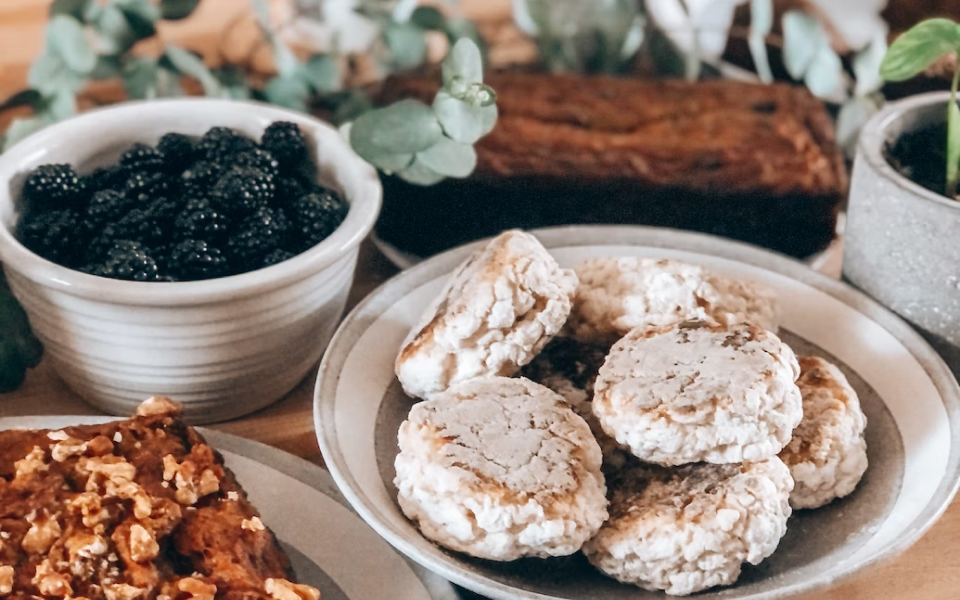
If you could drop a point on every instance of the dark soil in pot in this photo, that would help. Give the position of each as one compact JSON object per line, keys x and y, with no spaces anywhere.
{"x":921,"y":156}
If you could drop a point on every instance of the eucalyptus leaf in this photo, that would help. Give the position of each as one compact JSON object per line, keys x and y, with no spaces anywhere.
{"x":802,"y":38}
{"x":406,"y":43}
{"x":449,"y":158}
{"x":19,"y":129}
{"x":190,"y":64}
{"x":78,"y":9}
{"x":140,"y":77}
{"x":168,"y":81}
{"x":107,"y":67}
{"x":67,"y":39}
{"x":232,"y":82}
{"x":289,"y":92}
{"x":462,"y":65}
{"x":824,"y":76}
{"x":29,"y":97}
{"x":917,"y":48}
{"x":142,"y":16}
{"x":761,"y":22}
{"x":428,"y":17}
{"x":351,"y":105}
{"x":174,"y":10}
{"x":59,"y":106}
{"x":322,"y":73}
{"x":456,"y":28}
{"x":420,"y":174}
{"x":390,"y":163}
{"x":461,"y":121}
{"x":116,"y":34}
{"x":853,"y":115}
{"x":284,"y":60}
{"x":405,"y":127}
{"x":866,"y":66}
{"x":49,"y":74}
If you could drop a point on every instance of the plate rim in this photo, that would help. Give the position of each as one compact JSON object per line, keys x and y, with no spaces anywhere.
{"x":358,"y":321}
{"x":295,"y":467}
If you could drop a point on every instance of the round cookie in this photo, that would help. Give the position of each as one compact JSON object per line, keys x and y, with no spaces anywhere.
{"x":500,"y":469}
{"x":699,"y":392}
{"x":618,"y":294}
{"x":569,"y":367}
{"x":497,"y":310}
{"x":828,"y":453}
{"x":690,"y":528}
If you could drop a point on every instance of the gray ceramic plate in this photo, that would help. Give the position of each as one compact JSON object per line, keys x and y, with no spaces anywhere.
{"x":328,"y":545}
{"x":911,"y":401}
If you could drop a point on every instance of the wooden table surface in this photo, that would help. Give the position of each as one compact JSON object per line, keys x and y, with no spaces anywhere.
{"x":930,"y":570}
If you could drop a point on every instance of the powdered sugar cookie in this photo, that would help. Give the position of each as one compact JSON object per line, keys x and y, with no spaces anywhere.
{"x":498,"y":310}
{"x":699,"y":392}
{"x":500,"y":469}
{"x":828,"y":454}
{"x":686,"y":529}
{"x":569,"y":367}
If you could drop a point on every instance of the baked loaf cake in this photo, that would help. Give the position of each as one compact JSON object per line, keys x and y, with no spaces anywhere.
{"x":758,"y":163}
{"x":141,"y":509}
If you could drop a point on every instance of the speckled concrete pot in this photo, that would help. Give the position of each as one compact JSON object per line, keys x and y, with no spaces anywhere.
{"x":902,"y":242}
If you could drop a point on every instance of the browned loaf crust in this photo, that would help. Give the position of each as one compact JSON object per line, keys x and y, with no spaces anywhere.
{"x":753,"y":162}
{"x":74,"y":524}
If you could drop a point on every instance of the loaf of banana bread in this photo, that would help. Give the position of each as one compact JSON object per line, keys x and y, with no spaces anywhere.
{"x":758,"y":163}
{"x":141,"y":509}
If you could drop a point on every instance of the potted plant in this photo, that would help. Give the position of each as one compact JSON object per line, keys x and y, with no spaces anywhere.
{"x":904,"y":214}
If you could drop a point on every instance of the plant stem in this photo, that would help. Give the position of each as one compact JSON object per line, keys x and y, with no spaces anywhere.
{"x":953,"y":137}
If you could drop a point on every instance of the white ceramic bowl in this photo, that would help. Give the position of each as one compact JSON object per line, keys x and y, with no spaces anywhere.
{"x":223,"y":347}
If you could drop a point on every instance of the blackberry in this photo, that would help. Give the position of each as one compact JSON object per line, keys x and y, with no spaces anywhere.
{"x":315,"y":216}
{"x":286,"y":142}
{"x":192,"y":259}
{"x":291,"y":188}
{"x":143,"y":158}
{"x":138,"y":225}
{"x":243,"y":190}
{"x":200,"y":220}
{"x":258,"y":235}
{"x":177,"y":150}
{"x":259,"y":159}
{"x":197,"y":180}
{"x":108,"y":178}
{"x":277,"y":256}
{"x":53,"y":234}
{"x":127,"y":260}
{"x":144,"y":187}
{"x":220,"y":143}
{"x":106,"y":206}
{"x":53,"y":186}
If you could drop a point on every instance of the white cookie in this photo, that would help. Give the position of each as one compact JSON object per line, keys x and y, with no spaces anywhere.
{"x":498,"y":310}
{"x":500,"y":469}
{"x":699,"y":392}
{"x":686,"y":529}
{"x":569,"y":367}
{"x":618,"y":294}
{"x":828,"y":453}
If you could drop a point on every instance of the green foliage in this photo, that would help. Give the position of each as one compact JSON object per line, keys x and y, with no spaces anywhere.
{"x":174,"y":10}
{"x":912,"y":53}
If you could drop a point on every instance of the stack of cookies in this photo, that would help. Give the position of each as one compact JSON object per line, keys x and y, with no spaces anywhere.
{"x":641,"y":411}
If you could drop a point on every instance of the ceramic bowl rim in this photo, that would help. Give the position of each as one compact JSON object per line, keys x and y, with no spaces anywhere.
{"x":364,"y":209}
{"x":358,"y":319}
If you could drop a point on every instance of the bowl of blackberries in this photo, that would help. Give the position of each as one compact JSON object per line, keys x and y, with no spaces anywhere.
{"x":199,"y":249}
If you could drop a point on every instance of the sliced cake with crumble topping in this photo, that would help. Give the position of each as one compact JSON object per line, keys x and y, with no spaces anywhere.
{"x":141,"y":509}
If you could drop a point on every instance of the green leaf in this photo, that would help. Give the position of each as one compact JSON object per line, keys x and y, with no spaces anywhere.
{"x":866,"y":66}
{"x":140,"y":78}
{"x":174,"y":10}
{"x":824,"y":76}
{"x":289,"y":92}
{"x":918,"y":47}
{"x":802,"y":37}
{"x":405,"y":127}
{"x":420,"y":174}
{"x":390,"y":163}
{"x":406,"y":43}
{"x":49,"y":74}
{"x":107,"y":67}
{"x":761,"y":22}
{"x":190,"y":64}
{"x":116,"y":34}
{"x":67,"y":39}
{"x":29,"y":97}
{"x":21,"y":128}
{"x":462,"y":66}
{"x":78,"y":9}
{"x":429,"y":18}
{"x":461,"y":121}
{"x":322,"y":73}
{"x":953,"y":139}
{"x":449,"y":158}
{"x":142,"y":15}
